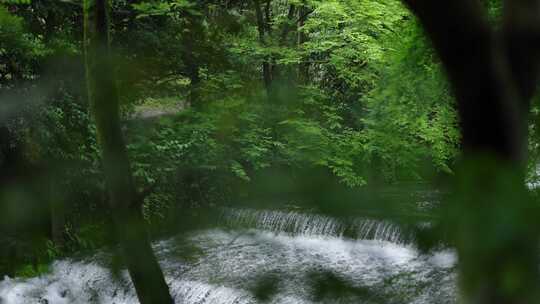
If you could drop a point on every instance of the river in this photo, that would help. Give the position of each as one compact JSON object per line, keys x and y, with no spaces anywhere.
{"x":291,"y":254}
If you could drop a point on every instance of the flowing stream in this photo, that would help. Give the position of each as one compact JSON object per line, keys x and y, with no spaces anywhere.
{"x":290,"y":256}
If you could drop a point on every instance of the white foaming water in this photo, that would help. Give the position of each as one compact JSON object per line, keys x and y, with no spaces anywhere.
{"x":70,"y":282}
{"x":280,"y":221}
{"x":298,"y":223}
{"x":223,"y":267}
{"x":378,"y":230}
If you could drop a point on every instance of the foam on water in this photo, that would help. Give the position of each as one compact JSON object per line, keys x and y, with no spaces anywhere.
{"x":229,"y":263}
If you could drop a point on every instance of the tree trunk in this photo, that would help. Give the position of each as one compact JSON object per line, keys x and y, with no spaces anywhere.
{"x":192,"y":72}
{"x":58,"y":212}
{"x":141,"y":263}
{"x":190,"y":57}
{"x":280,"y":74}
{"x":303,"y":66}
{"x":287,"y":26}
{"x":261,"y":27}
{"x":492,"y":220}
{"x":268,"y":17}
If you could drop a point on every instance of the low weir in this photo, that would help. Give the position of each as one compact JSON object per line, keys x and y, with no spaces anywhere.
{"x":290,"y":249}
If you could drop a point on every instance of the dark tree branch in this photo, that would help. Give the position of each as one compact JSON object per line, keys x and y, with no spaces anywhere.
{"x":521,"y":34}
{"x":303,"y":17}
{"x":493,"y":76}
{"x":478,"y":71}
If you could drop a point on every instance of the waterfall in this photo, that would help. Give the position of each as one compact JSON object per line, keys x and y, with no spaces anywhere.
{"x":309,"y":224}
{"x":368,"y":229}
{"x":225,"y":266}
{"x":280,"y":221}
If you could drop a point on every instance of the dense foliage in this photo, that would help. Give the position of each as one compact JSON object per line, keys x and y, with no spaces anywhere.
{"x":216,"y":95}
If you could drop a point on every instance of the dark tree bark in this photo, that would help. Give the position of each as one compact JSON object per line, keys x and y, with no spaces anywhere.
{"x":303,"y":66}
{"x":521,"y":33}
{"x":493,"y":75}
{"x":130,"y":231}
{"x":479,"y":75}
{"x":279,"y":73}
{"x":58,"y":212}
{"x":191,"y":62}
{"x":296,"y":16}
{"x":286,"y":29}
{"x":268,"y":17}
{"x":262,"y":28}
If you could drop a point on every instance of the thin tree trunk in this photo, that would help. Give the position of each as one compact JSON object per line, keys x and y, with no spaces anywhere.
{"x":268,"y":17}
{"x":279,"y":74}
{"x":287,"y":26}
{"x":192,"y":70}
{"x":57,"y":213}
{"x":261,"y":27}
{"x":491,"y":220}
{"x":303,"y":66}
{"x":141,"y":263}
